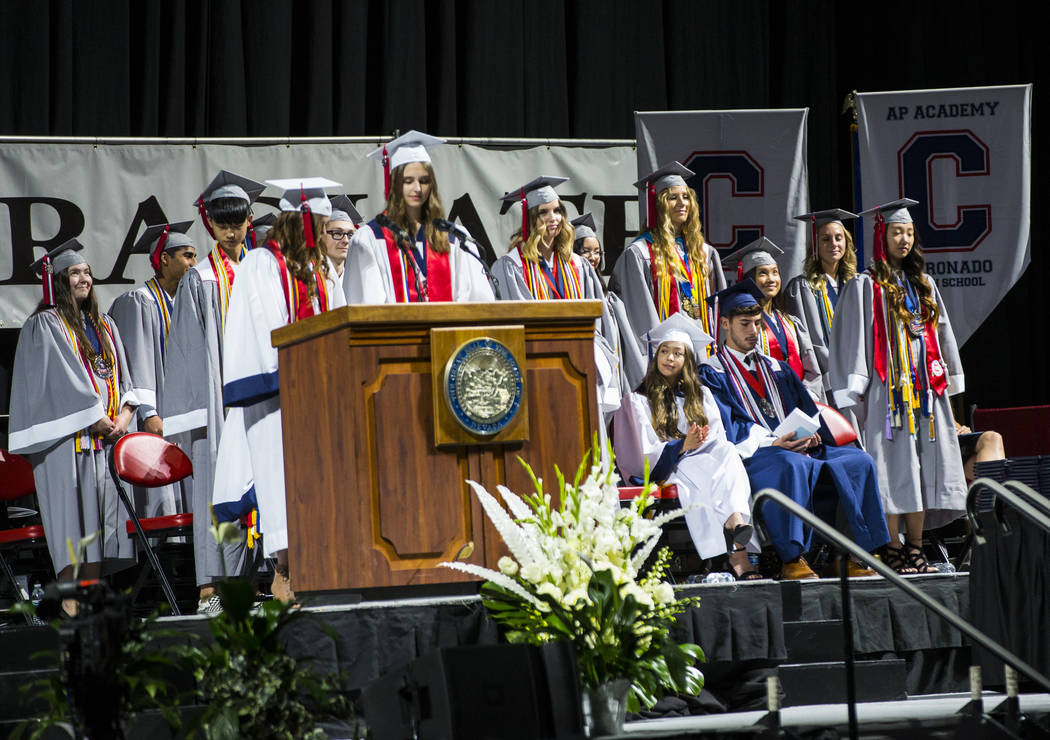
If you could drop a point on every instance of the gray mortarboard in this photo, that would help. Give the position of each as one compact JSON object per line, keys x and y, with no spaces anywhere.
{"x":585,"y":228}
{"x":738,"y":295}
{"x":230,"y":185}
{"x":309,"y":190}
{"x":820,"y":219}
{"x":343,"y":210}
{"x":409,"y":147}
{"x":159,"y":238}
{"x":262,"y":224}
{"x":894,"y":212}
{"x":678,"y":328}
{"x":657,"y":181}
{"x":65,"y":255}
{"x":532,"y":194}
{"x":760,"y":252}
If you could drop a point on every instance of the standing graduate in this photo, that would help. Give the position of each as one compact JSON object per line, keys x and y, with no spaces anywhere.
{"x":540,"y":264}
{"x":283,"y":281}
{"x":400,"y":256}
{"x":669,"y":267}
{"x":754,"y":394}
{"x":192,"y":407}
{"x":338,"y":232}
{"x":812,"y":296}
{"x":672,"y":423}
{"x":895,"y":361}
{"x":71,"y":400}
{"x":783,"y":337}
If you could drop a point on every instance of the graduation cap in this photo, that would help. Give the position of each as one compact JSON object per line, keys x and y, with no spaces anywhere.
{"x":739,"y":295}
{"x":584,"y":225}
{"x":263,"y":224}
{"x":227,"y":185}
{"x":756,"y":254}
{"x":820,"y":219}
{"x":894,"y":212}
{"x":343,"y":210}
{"x":532,"y":194}
{"x":409,"y":147}
{"x":306,"y":195}
{"x":62,"y":257}
{"x":678,"y":328}
{"x":157,"y":239}
{"x":657,"y":181}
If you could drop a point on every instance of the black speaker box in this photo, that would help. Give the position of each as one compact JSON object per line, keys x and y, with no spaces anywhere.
{"x":509,"y":692}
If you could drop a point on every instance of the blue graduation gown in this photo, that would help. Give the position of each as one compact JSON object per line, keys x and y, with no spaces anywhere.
{"x":849,"y":470}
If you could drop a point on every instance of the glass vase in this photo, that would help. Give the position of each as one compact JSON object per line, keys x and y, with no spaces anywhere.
{"x":605,"y":707}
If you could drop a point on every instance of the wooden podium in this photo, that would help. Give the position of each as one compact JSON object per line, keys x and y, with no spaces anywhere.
{"x":372,"y":499}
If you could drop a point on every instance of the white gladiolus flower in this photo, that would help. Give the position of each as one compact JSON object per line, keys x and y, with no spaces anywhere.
{"x":663,"y":593}
{"x":531,"y":573}
{"x":507,"y":566}
{"x":549,"y":589}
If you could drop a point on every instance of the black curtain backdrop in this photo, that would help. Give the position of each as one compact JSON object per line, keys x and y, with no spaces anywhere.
{"x":511,"y":68}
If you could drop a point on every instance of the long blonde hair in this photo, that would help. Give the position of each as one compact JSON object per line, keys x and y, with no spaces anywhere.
{"x":397,"y":211}
{"x":663,"y":236}
{"x":563,"y":240}
{"x":814,"y":269}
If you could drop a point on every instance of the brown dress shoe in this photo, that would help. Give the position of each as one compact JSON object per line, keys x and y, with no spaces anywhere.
{"x":796,"y":570}
{"x":281,"y":588}
{"x":855,"y":570}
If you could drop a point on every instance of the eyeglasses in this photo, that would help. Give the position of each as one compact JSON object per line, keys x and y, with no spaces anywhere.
{"x":339,"y":234}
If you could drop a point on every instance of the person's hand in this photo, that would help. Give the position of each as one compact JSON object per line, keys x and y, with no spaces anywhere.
{"x":788,"y":442}
{"x":694,"y":437}
{"x":103,"y":427}
{"x":154,"y":425}
{"x":120,"y":424}
{"x":962,"y":429}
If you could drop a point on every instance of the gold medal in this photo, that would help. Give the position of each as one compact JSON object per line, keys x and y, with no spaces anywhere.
{"x":102,"y":367}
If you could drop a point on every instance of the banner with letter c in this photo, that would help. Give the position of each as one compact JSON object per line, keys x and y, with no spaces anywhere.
{"x":965,"y":155}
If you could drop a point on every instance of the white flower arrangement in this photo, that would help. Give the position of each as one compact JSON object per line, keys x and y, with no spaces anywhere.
{"x":580,"y":571}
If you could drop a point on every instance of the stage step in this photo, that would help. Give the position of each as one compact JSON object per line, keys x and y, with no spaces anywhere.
{"x":816,"y":641}
{"x":825,"y":683}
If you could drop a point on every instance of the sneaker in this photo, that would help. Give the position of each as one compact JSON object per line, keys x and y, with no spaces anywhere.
{"x":209,"y":606}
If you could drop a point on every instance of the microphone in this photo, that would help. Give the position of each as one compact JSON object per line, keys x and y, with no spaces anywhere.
{"x":464,"y":237}
{"x":400,"y":234}
{"x":403,"y":242}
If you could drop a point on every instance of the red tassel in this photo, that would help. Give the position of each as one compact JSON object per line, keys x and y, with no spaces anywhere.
{"x":251,"y":232}
{"x":740,"y":271}
{"x":154,"y":259}
{"x":524,"y":217}
{"x":49,"y":288}
{"x":816,"y":257}
{"x":650,"y":210}
{"x":308,"y":223}
{"x":879,"y":247}
{"x":204,"y":217}
{"x":386,"y":175}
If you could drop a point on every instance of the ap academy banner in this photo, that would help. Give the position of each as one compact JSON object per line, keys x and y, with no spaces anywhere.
{"x":750,"y":176}
{"x":106,"y":195}
{"x":965,"y":155}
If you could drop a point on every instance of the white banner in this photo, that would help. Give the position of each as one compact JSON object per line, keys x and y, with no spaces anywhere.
{"x":106,"y":195}
{"x":750,"y":168}
{"x":965,"y":155}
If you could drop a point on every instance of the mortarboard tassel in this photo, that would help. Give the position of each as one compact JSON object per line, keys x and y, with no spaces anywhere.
{"x":45,"y":275}
{"x":251,"y":231}
{"x":740,"y":271}
{"x":650,"y":202}
{"x":386,"y":174}
{"x":813,"y":221}
{"x":880,"y":238}
{"x":154,"y":259}
{"x":308,"y":224}
{"x":524,"y":216}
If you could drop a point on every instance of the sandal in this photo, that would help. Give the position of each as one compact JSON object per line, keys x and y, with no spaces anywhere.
{"x":895,"y":557}
{"x":917,"y":559}
{"x":747,"y":575}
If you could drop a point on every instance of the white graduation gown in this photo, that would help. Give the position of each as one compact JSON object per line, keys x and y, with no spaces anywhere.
{"x":712,"y":482}
{"x":914,"y":474}
{"x":367,"y":277}
{"x":53,"y":402}
{"x":251,"y":381}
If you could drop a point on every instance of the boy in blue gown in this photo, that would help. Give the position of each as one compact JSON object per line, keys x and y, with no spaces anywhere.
{"x":754,"y":394}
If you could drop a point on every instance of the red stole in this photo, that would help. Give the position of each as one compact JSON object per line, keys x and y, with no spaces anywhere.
{"x":438,"y":283}
{"x":792,"y":356}
{"x":935,"y":368}
{"x":298,"y":300}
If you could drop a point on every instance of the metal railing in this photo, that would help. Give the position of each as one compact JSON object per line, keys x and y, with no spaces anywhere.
{"x":1025,"y":501}
{"x":847,"y":546}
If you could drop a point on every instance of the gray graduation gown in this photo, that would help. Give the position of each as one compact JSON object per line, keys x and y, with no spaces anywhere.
{"x":53,"y":402}
{"x":914,"y":474}
{"x":142,"y":331}
{"x":192,"y":408}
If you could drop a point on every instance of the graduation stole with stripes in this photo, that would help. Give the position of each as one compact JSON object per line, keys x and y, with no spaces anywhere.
{"x":111,"y":399}
{"x":223,"y":269}
{"x":540,"y":284}
{"x":435,"y":281}
{"x":669,"y":283}
{"x":771,"y":345}
{"x":164,"y":304}
{"x":765,"y":385}
{"x":296,"y":293}
{"x":825,"y":307}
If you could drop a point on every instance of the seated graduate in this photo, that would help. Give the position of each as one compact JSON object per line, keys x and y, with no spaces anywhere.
{"x":754,"y":394}
{"x":671,"y":421}
{"x":782,"y":336}
{"x":284,"y":280}
{"x":338,"y":232}
{"x":401,"y":256}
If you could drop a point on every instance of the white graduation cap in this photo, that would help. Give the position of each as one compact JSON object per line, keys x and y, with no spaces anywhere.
{"x":678,"y":328}
{"x":409,"y":147}
{"x":305,"y":190}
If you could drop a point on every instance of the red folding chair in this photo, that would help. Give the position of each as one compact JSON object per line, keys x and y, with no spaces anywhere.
{"x":16,"y":481}
{"x":841,"y":430}
{"x":149,"y":461}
